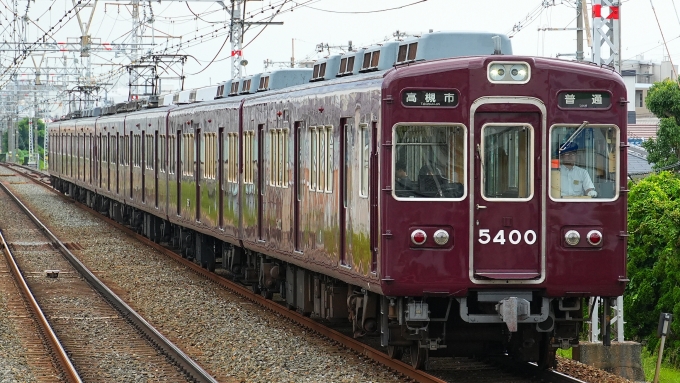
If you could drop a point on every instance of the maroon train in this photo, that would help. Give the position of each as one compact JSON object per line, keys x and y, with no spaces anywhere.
{"x":432,"y":203}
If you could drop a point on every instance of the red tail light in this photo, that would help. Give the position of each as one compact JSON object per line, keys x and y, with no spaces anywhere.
{"x":418,"y":237}
{"x":594,"y":237}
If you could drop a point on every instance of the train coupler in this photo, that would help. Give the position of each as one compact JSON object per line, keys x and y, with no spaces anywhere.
{"x":512,"y":310}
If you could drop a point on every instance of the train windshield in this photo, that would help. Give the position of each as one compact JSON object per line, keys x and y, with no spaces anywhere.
{"x":429,"y":161}
{"x":584,"y":163}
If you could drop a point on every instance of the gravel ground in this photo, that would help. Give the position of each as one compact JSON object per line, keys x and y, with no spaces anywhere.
{"x":13,"y":364}
{"x":587,"y":373}
{"x":234,"y":340}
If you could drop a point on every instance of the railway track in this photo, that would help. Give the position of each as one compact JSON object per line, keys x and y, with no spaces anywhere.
{"x":104,"y":339}
{"x":458,"y":370}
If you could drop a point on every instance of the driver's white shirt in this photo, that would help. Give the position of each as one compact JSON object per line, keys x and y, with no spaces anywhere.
{"x":574,"y":181}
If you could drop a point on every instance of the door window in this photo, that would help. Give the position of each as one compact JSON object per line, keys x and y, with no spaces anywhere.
{"x":507,"y":166}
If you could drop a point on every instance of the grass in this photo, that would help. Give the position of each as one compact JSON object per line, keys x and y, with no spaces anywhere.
{"x":668,"y":374}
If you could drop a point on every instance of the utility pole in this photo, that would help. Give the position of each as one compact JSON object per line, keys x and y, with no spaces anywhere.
{"x":237,"y":25}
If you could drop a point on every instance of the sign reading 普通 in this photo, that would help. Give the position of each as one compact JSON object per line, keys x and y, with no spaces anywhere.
{"x":584,"y":100}
{"x":445,"y":98}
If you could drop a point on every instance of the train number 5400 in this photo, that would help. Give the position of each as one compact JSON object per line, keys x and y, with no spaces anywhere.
{"x":514,"y":237}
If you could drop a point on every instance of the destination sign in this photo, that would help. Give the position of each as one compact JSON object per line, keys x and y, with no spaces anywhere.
{"x":438,"y":98}
{"x":584,"y":100}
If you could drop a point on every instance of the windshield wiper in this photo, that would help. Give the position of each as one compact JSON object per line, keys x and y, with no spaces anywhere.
{"x":573,"y":135}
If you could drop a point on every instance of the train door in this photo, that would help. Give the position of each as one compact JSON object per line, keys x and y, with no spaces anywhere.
{"x":178,"y":169}
{"x":260,"y":179}
{"x":345,"y":137}
{"x":506,"y":203}
{"x":297,"y":179}
{"x":119,"y":146}
{"x":220,"y":176}
{"x":199,"y":155}
{"x":155,"y":160}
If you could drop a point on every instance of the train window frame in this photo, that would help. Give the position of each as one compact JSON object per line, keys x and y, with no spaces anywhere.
{"x":531,"y":155}
{"x":462,"y":171}
{"x":615,"y":149}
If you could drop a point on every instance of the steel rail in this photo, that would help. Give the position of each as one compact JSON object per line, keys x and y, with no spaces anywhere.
{"x":64,"y":361}
{"x":183,"y":361}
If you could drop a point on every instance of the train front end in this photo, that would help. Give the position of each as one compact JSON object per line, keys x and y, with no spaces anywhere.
{"x":502,"y":203}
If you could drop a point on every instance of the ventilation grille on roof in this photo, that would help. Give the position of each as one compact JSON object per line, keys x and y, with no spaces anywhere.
{"x":371,"y":60}
{"x":264,"y":84}
{"x":407,"y":52}
{"x":346,"y":66}
{"x":319,"y":72}
{"x":234,"y":88}
{"x":246,"y":86}
{"x":220,"y":91}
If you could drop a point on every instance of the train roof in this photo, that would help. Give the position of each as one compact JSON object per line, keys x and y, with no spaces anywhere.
{"x":375,"y":58}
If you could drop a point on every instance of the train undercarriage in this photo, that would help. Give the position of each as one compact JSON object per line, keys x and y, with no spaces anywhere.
{"x":523,"y":324}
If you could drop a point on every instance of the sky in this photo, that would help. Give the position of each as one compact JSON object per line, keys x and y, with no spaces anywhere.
{"x":311,"y":22}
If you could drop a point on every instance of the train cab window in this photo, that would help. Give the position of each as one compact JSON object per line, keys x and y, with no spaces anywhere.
{"x":584,"y":162}
{"x":429,"y":161}
{"x":507,"y":161}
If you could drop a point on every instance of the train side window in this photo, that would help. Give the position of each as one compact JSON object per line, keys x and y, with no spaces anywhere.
{"x":273,"y":157}
{"x":149,"y":147}
{"x":365,"y":152}
{"x":248,"y":156}
{"x":584,"y":163}
{"x":507,"y":161}
{"x":329,"y":159}
{"x":284,"y":157}
{"x":313,"y":151}
{"x":161,"y":154}
{"x":428,"y":161}
{"x":323,"y":160}
{"x":171,"y":154}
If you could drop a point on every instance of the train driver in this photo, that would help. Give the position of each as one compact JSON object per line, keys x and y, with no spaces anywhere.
{"x":575,"y":181}
{"x":403,"y":186}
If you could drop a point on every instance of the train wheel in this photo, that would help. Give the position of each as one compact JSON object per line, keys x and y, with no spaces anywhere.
{"x":546,"y":357}
{"x":418,"y":356}
{"x":395,"y":352}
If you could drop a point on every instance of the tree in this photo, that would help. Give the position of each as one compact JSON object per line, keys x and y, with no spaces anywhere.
{"x":654,"y":260}
{"x":663,"y":99}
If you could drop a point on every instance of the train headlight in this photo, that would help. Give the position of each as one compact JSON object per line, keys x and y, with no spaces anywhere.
{"x":594,"y":237}
{"x":496,"y":72}
{"x":509,"y":72}
{"x":418,"y":237}
{"x":519,"y":72}
{"x":441,"y":237}
{"x":572,"y":237}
